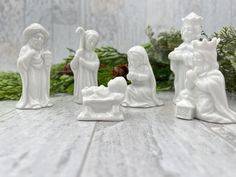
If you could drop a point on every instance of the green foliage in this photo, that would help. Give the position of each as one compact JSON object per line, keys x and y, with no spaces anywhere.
{"x":70,"y":56}
{"x":158,"y":49}
{"x":110,"y":56}
{"x":107,"y":56}
{"x":162,"y":45}
{"x":60,"y":82}
{"x":10,"y":86}
{"x":226,"y":51}
{"x":104,"y":74}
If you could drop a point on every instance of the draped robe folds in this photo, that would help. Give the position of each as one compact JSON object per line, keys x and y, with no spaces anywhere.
{"x":181,"y":66}
{"x":35,"y":76}
{"x":85,"y":74}
{"x":211,"y":100}
{"x":142,"y":91}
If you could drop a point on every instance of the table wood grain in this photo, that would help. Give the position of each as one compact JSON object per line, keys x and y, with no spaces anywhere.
{"x":151,"y":142}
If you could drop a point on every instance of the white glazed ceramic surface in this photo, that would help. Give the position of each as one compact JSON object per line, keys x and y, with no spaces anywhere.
{"x":34,"y":64}
{"x":103,"y":103}
{"x":142,"y":90}
{"x":85,"y":63}
{"x":205,"y":86}
{"x":182,"y":57}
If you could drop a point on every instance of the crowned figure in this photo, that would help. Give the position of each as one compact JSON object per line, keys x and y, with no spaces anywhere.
{"x":181,"y":59}
{"x":205,"y":85}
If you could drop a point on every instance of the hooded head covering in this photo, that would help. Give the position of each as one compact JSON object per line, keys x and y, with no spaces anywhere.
{"x":144,"y":60}
{"x":33,"y":29}
{"x":85,"y":34}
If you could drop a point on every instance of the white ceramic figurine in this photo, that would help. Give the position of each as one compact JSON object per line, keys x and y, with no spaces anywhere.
{"x":103,"y":103}
{"x":142,"y":90}
{"x":205,"y":87}
{"x":85,"y":63}
{"x":182,"y":57}
{"x":34,"y":64}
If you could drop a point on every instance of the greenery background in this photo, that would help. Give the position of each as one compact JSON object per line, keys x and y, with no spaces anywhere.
{"x":114,"y":63}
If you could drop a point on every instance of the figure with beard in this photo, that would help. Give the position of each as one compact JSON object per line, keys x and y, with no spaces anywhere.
{"x":182,"y":57}
{"x":34,"y":64}
{"x":205,"y":85}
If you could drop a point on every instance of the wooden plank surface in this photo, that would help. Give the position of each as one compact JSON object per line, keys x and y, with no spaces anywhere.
{"x":6,"y":107}
{"x":149,"y":143}
{"x":227,"y":132}
{"x":152,"y":143}
{"x":44,"y":143}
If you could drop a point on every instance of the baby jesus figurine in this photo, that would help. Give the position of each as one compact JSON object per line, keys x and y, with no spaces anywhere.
{"x":85,"y":63}
{"x":205,"y":87}
{"x":103,"y":103}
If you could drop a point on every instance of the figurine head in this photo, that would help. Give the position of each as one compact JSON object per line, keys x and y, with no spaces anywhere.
{"x":91,"y":39}
{"x":191,"y":29}
{"x":117,"y":85}
{"x":88,"y":39}
{"x":36,"y":36}
{"x":137,"y":56}
{"x":205,"y":55}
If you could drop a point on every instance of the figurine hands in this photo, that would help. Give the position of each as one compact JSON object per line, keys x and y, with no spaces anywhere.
{"x":188,"y":58}
{"x":174,"y":55}
{"x":30,"y":53}
{"x":131,"y":76}
{"x":25,"y":57}
{"x":47,"y":57}
{"x":82,"y":61}
{"x":191,"y":75}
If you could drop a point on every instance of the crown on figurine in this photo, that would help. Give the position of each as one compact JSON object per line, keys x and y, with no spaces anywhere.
{"x":205,"y":44}
{"x":192,"y":19}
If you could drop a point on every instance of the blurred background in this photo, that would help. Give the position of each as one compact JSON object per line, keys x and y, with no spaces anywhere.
{"x":121,"y":23}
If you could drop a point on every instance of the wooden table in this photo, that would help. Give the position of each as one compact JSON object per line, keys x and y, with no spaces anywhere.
{"x":149,"y":143}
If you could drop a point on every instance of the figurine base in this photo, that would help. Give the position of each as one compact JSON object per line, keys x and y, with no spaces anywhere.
{"x":100,"y":118}
{"x":141,"y":106}
{"x":34,"y":107}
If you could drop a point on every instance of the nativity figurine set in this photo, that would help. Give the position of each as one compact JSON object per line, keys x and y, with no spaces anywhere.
{"x":199,"y":85}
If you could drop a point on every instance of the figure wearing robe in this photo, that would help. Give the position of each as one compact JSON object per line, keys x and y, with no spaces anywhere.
{"x":85,"y":63}
{"x":85,"y":68}
{"x":181,"y":59}
{"x":205,"y":85}
{"x":211,"y":99}
{"x":142,"y":90}
{"x":34,"y":66}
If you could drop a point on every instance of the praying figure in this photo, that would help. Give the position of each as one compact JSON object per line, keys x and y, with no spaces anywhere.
{"x":142,"y":90}
{"x":34,"y":64}
{"x":181,"y":59}
{"x":205,"y":86}
{"x":85,"y":63}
